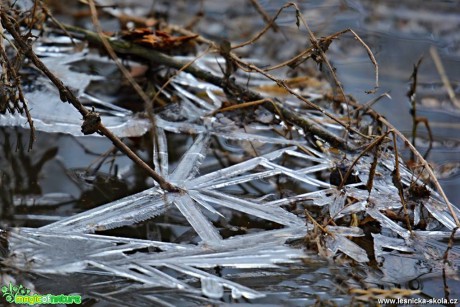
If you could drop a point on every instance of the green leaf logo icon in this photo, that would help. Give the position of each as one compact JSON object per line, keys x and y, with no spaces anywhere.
{"x":9,"y":292}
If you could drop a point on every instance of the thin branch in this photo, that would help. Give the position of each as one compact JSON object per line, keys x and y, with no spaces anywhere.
{"x":422,"y":160}
{"x":370,"y":54}
{"x":374,"y":143}
{"x":396,"y":179}
{"x":442,"y":73}
{"x":426,"y":165}
{"x":239,"y":106}
{"x":67,"y":95}
{"x":319,"y":48}
{"x":120,"y":66}
{"x":155,"y":97}
{"x":314,"y":222}
{"x":412,"y":95}
{"x":153,"y":56}
{"x":282,"y":83}
{"x":264,"y":30}
{"x":264,"y":15}
{"x":8,"y":68}
{"x":248,"y":67}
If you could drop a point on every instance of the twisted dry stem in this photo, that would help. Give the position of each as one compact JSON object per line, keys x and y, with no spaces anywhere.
{"x":153,"y":56}
{"x":123,"y":47}
{"x":67,"y":95}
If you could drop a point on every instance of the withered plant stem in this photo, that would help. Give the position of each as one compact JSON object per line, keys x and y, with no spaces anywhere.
{"x":153,"y":56}
{"x":396,"y":179}
{"x":264,"y":15}
{"x":375,"y":161}
{"x":67,"y":95}
{"x":374,"y":143}
{"x":123,"y":47}
{"x":9,"y":68}
{"x":376,"y":116}
{"x":411,"y":94}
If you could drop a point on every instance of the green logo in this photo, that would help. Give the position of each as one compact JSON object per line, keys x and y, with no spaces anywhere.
{"x":10,"y":292}
{"x":22,"y":296}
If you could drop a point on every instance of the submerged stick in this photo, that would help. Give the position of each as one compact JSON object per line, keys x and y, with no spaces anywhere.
{"x":153,"y":56}
{"x":156,"y":57}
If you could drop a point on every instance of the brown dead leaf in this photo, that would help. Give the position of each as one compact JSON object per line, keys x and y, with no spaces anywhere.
{"x":159,"y":40}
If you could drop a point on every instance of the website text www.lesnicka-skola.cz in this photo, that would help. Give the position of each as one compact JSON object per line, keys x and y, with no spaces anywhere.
{"x":418,"y":301}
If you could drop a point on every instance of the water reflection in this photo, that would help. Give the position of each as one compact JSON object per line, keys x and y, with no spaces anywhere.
{"x":23,"y":171}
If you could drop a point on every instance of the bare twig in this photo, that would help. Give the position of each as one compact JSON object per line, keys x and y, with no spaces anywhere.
{"x":264,"y":15}
{"x":264,"y":30}
{"x":153,"y":56}
{"x":396,"y":179}
{"x":67,"y":95}
{"x":370,"y":54}
{"x":370,"y":179}
{"x":305,"y":54}
{"x":450,"y":245}
{"x":8,"y":68}
{"x":319,"y":49}
{"x":411,"y":94}
{"x":366,"y":106}
{"x":239,"y":106}
{"x":374,"y":143}
{"x":318,"y":46}
{"x":425,"y":121}
{"x":416,"y":119}
{"x":442,"y":73}
{"x":120,"y":66}
{"x":155,"y":97}
{"x":248,"y":67}
{"x":422,"y":160}
{"x":47,"y":12}
{"x":122,"y":47}
{"x":282,"y":83}
{"x":323,"y":229}
{"x":427,"y":166}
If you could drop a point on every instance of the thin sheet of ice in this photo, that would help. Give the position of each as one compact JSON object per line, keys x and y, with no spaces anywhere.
{"x":233,"y":171}
{"x":353,"y":208}
{"x":244,"y":291}
{"x":441,"y":213}
{"x":48,"y":199}
{"x":338,"y":203}
{"x":346,"y":231}
{"x":381,"y":242}
{"x":66,"y":119}
{"x":339,"y":243}
{"x":126,"y":211}
{"x":96,"y":254}
{"x":386,"y":222}
{"x":207,"y":232}
{"x":190,"y":161}
{"x":160,"y":153}
{"x":154,"y":201}
{"x":271,"y":213}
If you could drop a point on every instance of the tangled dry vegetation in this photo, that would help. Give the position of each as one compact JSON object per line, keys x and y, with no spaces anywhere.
{"x":321,"y":169}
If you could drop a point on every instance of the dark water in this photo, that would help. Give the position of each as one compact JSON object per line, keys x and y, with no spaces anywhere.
{"x":399,"y":33}
{"x":58,"y":162}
